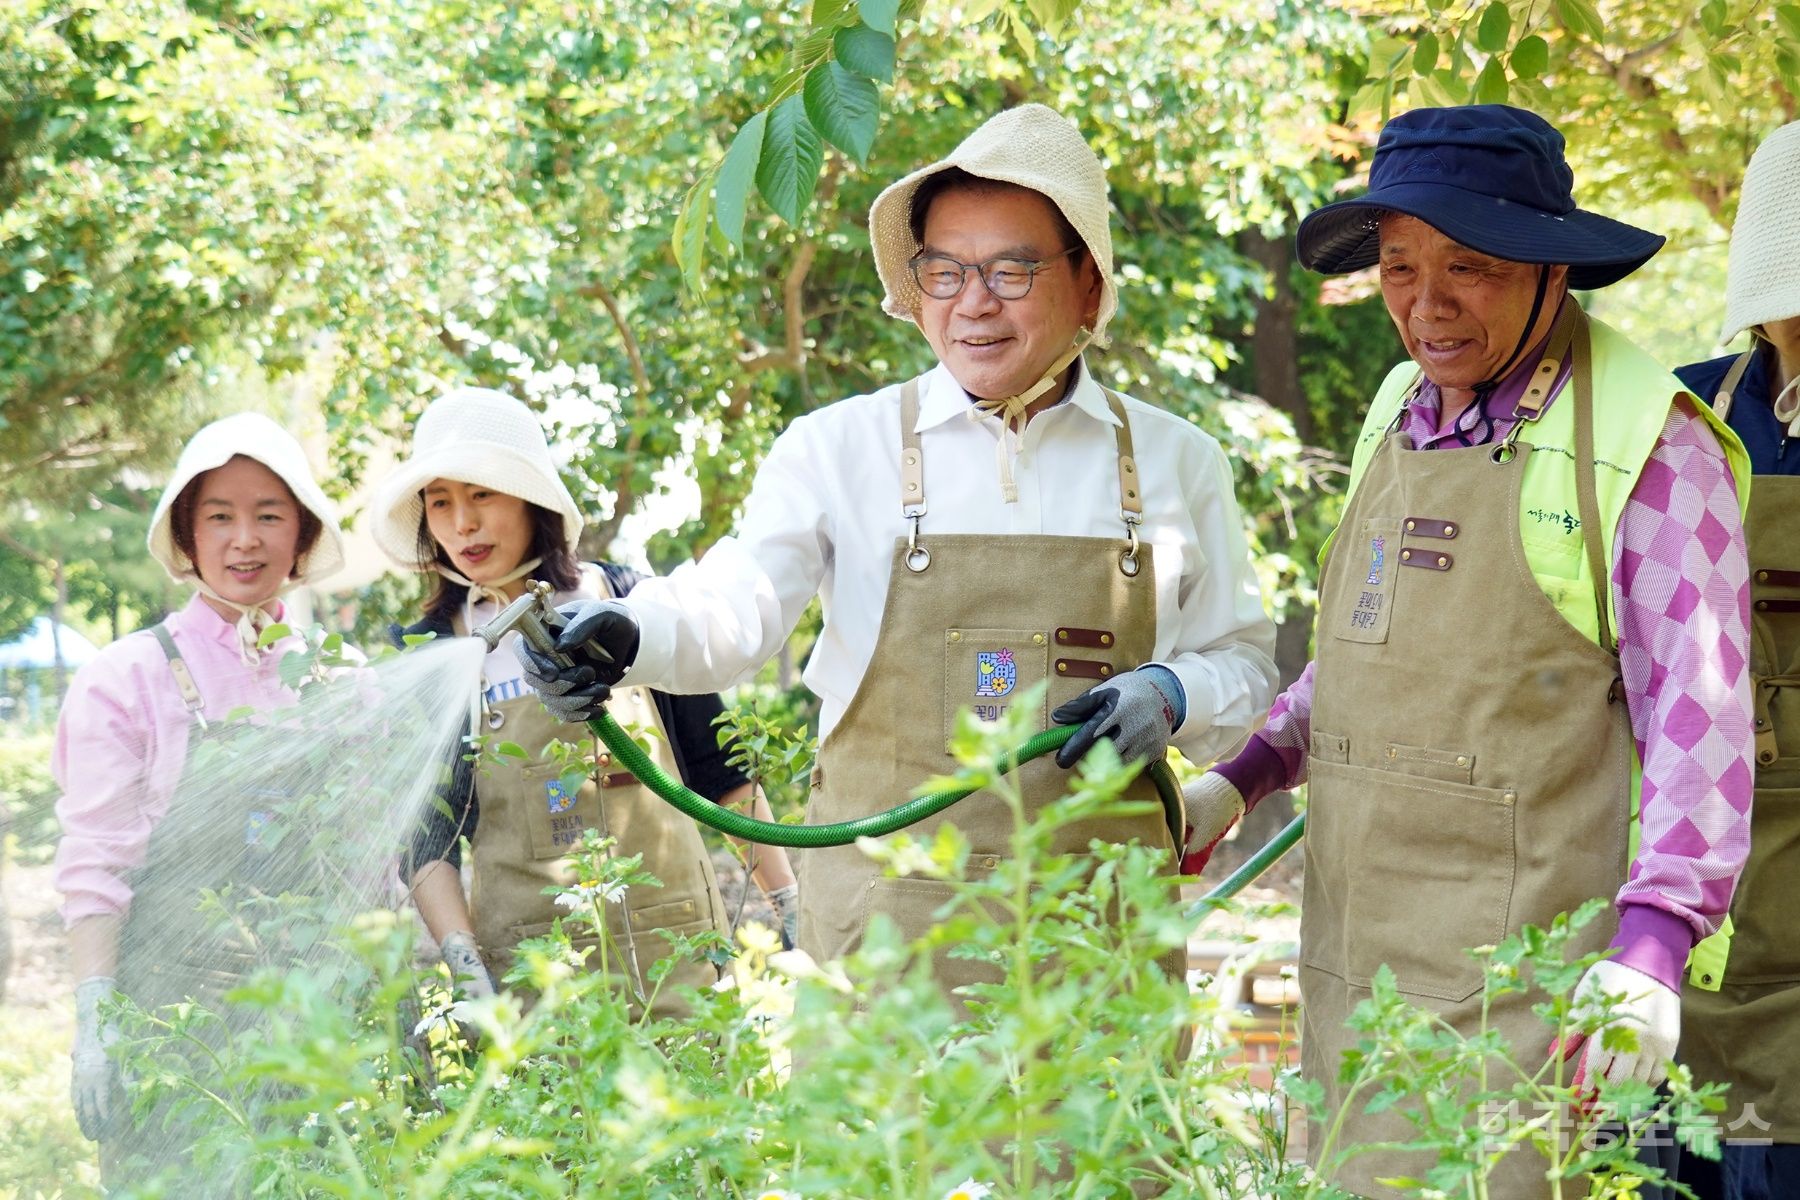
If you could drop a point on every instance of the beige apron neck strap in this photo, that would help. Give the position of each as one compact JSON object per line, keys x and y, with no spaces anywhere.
{"x":1131,"y":503}
{"x":184,"y":678}
{"x":1131,"y":490}
{"x":1721,"y":404}
{"x":1587,"y":499}
{"x":1530,"y":405}
{"x":912,"y":475}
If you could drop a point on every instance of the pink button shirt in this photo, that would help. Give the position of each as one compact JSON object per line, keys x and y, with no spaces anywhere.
{"x":122,"y":740}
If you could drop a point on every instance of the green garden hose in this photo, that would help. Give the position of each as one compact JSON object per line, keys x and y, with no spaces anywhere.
{"x":1255,"y":865}
{"x":631,"y":756}
{"x":533,"y":616}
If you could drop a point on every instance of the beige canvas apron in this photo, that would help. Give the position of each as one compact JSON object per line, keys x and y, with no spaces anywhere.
{"x":530,"y":822}
{"x":1747,"y":1033}
{"x":970,"y":622}
{"x":1455,"y":795}
{"x":168,"y":952}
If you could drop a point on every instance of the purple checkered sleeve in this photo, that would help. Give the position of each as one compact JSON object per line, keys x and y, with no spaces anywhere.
{"x":1681,"y":589}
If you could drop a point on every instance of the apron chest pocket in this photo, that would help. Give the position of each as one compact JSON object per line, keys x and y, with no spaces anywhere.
{"x":1362,"y":612}
{"x":558,"y":808}
{"x":986,"y":670}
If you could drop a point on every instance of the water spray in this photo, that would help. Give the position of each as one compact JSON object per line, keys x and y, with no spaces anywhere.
{"x":535,"y":618}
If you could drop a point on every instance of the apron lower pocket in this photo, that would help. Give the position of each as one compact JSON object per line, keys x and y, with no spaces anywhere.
{"x":915,"y":906}
{"x":1408,"y":872}
{"x":1764,"y":948}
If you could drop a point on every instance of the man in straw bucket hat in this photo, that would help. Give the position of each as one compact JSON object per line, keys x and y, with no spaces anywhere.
{"x":1741,"y":1005}
{"x":144,"y":836}
{"x":480,"y":505}
{"x":1000,"y":521}
{"x":1541,"y":521}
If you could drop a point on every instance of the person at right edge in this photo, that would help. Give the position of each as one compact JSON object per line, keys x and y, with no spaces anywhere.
{"x":1472,"y":731}
{"x":1741,"y":1006}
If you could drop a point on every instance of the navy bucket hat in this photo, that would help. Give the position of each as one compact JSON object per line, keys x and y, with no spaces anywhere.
{"x":1489,"y":176}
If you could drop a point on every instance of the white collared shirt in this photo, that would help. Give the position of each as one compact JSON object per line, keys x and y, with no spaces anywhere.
{"x":825,"y":509}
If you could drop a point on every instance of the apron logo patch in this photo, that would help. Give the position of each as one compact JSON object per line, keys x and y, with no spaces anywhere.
{"x":995,"y":673}
{"x":1377,"y":556}
{"x":558,"y":797}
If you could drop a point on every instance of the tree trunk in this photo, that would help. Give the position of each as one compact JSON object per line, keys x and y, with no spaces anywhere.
{"x":1275,"y":357}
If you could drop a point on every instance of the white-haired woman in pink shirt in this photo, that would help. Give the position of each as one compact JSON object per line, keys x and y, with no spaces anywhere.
{"x":241,"y":521}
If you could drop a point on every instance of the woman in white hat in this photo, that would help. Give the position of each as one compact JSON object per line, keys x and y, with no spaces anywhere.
{"x":1741,"y":1002}
{"x":242,"y":521}
{"x":480,"y":505}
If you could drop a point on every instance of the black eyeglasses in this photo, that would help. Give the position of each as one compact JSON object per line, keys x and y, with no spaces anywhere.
{"x":942,"y":277}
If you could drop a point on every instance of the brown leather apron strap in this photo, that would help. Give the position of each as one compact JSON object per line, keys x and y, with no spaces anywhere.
{"x":1587,"y":499}
{"x":184,"y":678}
{"x":1721,"y":403}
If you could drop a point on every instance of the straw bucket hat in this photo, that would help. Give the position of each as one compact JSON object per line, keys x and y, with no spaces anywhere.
{"x":1763,"y":284}
{"x":252,"y":436}
{"x":1031,"y":146}
{"x":475,"y":436}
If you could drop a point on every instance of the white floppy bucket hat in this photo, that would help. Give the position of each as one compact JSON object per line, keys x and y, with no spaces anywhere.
{"x":1030,"y":146}
{"x":475,"y":436}
{"x":1762,"y":283}
{"x":252,"y":436}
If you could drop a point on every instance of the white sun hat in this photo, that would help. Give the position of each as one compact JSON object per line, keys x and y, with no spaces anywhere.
{"x":1762,"y":284}
{"x":253,"y":436}
{"x":475,"y":436}
{"x":1031,"y":146}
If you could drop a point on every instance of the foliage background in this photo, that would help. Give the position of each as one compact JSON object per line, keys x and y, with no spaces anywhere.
{"x":330,"y":211}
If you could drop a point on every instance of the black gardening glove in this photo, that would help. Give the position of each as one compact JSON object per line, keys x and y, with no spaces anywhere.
{"x":600,"y":640}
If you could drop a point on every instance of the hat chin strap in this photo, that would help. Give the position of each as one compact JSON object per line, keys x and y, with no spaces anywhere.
{"x":252,"y":618}
{"x":486,"y":591}
{"x":1537,"y":306}
{"x":1012,"y":413}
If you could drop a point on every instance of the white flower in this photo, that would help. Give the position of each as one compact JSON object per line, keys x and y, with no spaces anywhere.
{"x":968,"y":1189}
{"x":584,"y":894}
{"x":777,"y":1194}
{"x":443,"y":1018}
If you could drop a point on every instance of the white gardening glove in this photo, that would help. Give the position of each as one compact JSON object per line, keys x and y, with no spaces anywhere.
{"x":94,"y":1084}
{"x":469,"y":973}
{"x":786,"y":903}
{"x":1213,"y":806}
{"x":1630,"y":998}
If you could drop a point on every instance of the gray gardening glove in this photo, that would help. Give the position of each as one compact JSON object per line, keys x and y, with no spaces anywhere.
{"x":786,"y":903}
{"x":94,"y":1085}
{"x":601,"y":639}
{"x":1213,"y":806}
{"x":1137,"y":710}
{"x":469,"y":973}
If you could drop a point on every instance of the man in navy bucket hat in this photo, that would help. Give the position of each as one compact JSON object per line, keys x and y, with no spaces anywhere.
{"x":1541,"y":522}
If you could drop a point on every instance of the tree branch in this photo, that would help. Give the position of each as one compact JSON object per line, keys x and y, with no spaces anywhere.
{"x":624,"y":481}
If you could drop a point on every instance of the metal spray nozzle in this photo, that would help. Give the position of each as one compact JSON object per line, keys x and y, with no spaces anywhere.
{"x":532,"y":615}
